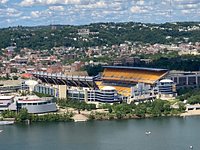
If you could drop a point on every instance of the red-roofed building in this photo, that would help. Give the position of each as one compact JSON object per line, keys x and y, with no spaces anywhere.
{"x":26,"y":75}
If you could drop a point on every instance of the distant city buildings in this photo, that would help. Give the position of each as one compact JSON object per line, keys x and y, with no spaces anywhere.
{"x":62,"y":59}
{"x":84,"y":32}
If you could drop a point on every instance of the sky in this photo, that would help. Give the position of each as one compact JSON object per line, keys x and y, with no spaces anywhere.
{"x":81,"y":12}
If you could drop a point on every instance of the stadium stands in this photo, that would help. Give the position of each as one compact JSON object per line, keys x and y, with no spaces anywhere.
{"x":129,"y":84}
{"x":125,"y":91}
{"x":123,"y":78}
{"x":133,"y":74}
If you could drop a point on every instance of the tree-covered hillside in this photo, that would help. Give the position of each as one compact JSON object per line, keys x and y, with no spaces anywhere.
{"x":44,"y":37}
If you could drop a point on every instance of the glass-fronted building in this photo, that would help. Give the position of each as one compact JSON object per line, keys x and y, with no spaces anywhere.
{"x":45,"y":89}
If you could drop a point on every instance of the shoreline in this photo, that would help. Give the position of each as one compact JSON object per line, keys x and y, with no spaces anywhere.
{"x":129,"y":116}
{"x":84,"y":116}
{"x":191,"y":113}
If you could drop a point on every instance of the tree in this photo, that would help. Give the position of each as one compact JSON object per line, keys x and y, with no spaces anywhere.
{"x":31,"y":63}
{"x":13,"y":70}
{"x":140,"y":110}
{"x":93,"y":70}
{"x":8,"y":114}
{"x":194,"y":99}
{"x":181,"y":107}
{"x":110,"y":110}
{"x":23,"y":115}
{"x":15,"y":77}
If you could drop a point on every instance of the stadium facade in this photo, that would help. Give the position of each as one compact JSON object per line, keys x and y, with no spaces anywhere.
{"x":116,"y":84}
{"x":185,"y":79}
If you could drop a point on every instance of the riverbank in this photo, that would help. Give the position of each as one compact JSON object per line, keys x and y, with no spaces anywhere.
{"x":71,"y":114}
{"x":157,"y":108}
{"x":104,"y":114}
{"x":81,"y":111}
{"x":191,"y":113}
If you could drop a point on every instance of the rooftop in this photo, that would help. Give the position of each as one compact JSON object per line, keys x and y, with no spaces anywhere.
{"x":6,"y":97}
{"x":10,"y":82}
{"x":32,"y":99}
{"x":135,"y":68}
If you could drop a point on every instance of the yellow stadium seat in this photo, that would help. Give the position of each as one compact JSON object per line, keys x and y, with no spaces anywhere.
{"x":129,"y":75}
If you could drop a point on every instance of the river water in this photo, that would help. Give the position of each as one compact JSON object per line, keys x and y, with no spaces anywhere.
{"x":166,"y":134}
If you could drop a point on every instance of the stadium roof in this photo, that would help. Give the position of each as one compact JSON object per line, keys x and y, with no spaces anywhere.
{"x":61,"y":79}
{"x":135,"y":68}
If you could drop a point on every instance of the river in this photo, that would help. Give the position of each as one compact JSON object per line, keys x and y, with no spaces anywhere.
{"x":171,"y":133}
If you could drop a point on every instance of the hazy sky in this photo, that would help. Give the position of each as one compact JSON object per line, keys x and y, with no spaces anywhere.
{"x":77,"y":12}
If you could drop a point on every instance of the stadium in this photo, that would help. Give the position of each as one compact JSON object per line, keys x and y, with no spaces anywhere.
{"x":115,"y":84}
